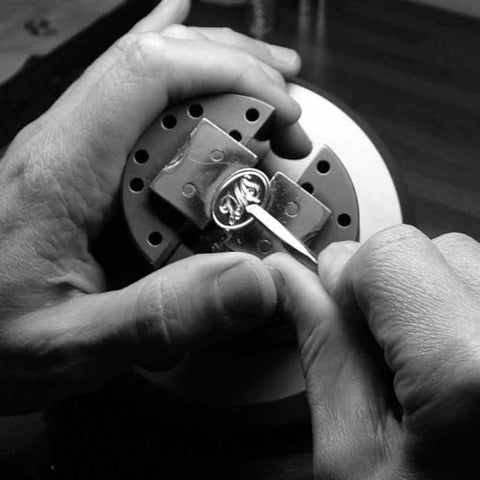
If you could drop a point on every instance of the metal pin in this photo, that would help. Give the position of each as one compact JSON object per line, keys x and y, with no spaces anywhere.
{"x":279,"y":230}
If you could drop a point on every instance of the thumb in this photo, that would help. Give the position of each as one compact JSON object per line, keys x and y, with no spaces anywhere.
{"x":346,"y":377}
{"x":187,"y":305}
{"x":184,"y":306}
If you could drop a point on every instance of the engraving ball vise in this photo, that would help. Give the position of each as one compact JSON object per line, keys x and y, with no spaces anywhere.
{"x":204,"y":178}
{"x":191,"y":178}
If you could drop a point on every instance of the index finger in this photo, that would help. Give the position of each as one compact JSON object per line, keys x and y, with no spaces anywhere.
{"x":155,"y":71}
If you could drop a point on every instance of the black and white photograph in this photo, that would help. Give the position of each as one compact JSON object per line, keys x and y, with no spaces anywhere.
{"x":239,"y":239}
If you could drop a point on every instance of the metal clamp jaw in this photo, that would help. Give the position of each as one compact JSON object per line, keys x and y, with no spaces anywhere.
{"x":191,"y":176}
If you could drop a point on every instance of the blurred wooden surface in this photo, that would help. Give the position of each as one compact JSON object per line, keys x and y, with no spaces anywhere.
{"x":466,"y":7}
{"x":46,"y":44}
{"x":413,"y":74}
{"x":30,"y":29}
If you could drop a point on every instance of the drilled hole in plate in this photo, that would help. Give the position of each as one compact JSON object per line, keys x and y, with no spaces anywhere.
{"x":195,"y":110}
{"x":323,"y":167}
{"x":308,"y":187}
{"x":252,"y":115}
{"x":155,"y":239}
{"x":344,"y":220}
{"x":169,"y":122}
{"x":136,"y":185}
{"x":236,"y":135}
{"x":141,"y":156}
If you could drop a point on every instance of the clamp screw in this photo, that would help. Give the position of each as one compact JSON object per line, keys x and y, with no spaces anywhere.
{"x":217,"y":155}
{"x":264,"y":246}
{"x":291,"y":209}
{"x":189,"y":190}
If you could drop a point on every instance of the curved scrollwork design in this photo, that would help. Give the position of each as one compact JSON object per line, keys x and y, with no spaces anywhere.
{"x":245,"y":192}
{"x":244,"y":188}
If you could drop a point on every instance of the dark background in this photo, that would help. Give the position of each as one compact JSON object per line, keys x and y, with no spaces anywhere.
{"x":411,"y":72}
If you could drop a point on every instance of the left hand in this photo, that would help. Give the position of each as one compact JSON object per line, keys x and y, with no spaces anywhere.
{"x":60,"y":332}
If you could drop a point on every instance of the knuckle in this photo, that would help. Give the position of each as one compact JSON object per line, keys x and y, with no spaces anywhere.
{"x":266,"y":49}
{"x":388,"y":258}
{"x":28,"y":131}
{"x":233,"y":37}
{"x":276,"y":77}
{"x":125,"y":42}
{"x":147,"y":47}
{"x":29,"y":134}
{"x":228,"y":32}
{"x":143,"y":51}
{"x":248,"y":68}
{"x":249,"y":62}
{"x":158,"y":311}
{"x":396,"y":240}
{"x":454,"y":240}
{"x":176,"y":30}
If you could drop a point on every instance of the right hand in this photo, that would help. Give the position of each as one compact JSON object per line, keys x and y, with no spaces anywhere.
{"x":389,"y":337}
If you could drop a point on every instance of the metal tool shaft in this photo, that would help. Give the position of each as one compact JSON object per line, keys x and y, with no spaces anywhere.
{"x":280,"y":231}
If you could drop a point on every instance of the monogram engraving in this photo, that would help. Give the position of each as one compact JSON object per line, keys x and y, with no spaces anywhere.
{"x":245,"y":192}
{"x":243,"y":188}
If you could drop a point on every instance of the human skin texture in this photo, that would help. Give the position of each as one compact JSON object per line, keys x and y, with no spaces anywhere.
{"x":61,"y":332}
{"x":389,"y":336}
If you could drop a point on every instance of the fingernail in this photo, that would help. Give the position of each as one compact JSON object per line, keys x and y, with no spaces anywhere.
{"x":281,"y":289}
{"x":280,"y":284}
{"x":244,"y":294}
{"x":297,"y":107}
